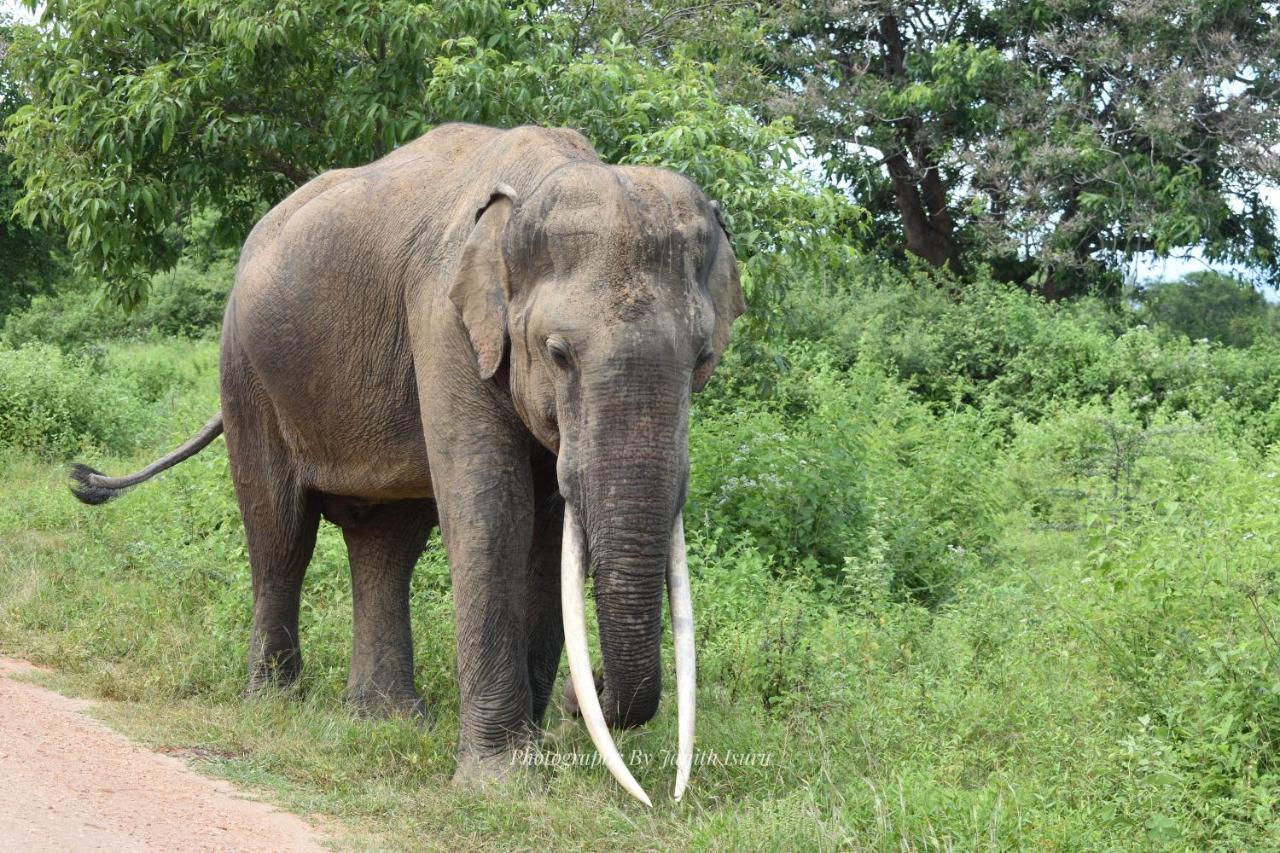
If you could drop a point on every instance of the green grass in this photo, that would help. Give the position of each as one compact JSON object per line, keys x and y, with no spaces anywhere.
{"x":1098,"y":671}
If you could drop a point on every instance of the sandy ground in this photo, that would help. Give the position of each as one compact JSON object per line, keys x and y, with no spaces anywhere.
{"x":68,"y":783}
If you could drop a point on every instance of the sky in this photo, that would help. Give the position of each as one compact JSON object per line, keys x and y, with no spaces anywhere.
{"x":15,"y":10}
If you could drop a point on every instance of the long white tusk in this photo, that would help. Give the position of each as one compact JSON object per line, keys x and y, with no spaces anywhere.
{"x":573,"y":581}
{"x":686,"y":664}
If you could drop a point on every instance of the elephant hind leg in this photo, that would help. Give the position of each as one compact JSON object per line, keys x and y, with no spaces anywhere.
{"x":280,"y":525}
{"x":384,"y":542}
{"x":280,"y":517}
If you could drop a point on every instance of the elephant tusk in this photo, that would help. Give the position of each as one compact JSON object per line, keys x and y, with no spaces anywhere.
{"x":573,"y":581}
{"x":686,"y":664}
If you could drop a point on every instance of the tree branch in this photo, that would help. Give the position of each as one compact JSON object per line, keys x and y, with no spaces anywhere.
{"x":276,"y":163}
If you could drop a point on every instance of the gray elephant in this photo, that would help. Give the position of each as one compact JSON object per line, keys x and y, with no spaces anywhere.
{"x":494,"y":331}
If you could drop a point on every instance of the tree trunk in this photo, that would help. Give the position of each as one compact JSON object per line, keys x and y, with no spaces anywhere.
{"x":928,"y":229}
{"x":917,"y":185}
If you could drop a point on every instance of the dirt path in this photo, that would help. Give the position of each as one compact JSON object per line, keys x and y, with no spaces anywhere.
{"x":68,"y":783}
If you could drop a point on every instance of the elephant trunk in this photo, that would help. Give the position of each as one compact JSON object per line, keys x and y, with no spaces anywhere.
{"x":624,"y":511}
{"x":630,"y":576}
{"x":573,"y":587}
{"x":631,"y":495}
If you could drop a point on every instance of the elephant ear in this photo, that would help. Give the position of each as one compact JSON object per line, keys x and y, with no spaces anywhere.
{"x":726,"y":297}
{"x":480,"y":287}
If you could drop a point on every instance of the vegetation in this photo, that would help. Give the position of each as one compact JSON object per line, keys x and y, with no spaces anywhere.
{"x":142,"y":114}
{"x":956,"y":600}
{"x":976,"y":565}
{"x":30,"y":257}
{"x":1210,"y":306}
{"x":1050,"y":140}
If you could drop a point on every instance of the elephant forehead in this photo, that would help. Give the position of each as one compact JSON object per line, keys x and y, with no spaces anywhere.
{"x":627,"y":241}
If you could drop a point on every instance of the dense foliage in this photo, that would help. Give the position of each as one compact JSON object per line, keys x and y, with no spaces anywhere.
{"x":143,"y":113}
{"x":1051,"y":140}
{"x":1210,"y":306}
{"x":30,"y":258}
{"x":1052,"y":143}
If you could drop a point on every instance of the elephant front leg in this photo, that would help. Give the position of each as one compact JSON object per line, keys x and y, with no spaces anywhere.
{"x":486,"y":517}
{"x":543,"y":622}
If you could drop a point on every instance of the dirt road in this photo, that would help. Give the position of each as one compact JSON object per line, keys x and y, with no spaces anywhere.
{"x":68,"y":783}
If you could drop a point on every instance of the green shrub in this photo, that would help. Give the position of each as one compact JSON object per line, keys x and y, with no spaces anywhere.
{"x":1211,"y":306}
{"x":56,"y":405}
{"x":1183,"y":601}
{"x":844,"y":475}
{"x":69,"y":319}
{"x":188,"y":301}
{"x":1013,"y":356}
{"x":160,"y":368}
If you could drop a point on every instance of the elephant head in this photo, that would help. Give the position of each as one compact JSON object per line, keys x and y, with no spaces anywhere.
{"x":609,"y":293}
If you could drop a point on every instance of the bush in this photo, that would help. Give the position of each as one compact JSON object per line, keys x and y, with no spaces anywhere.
{"x":1209,"y":306}
{"x":1013,"y":356}
{"x":57,"y":405}
{"x":69,"y":319}
{"x":189,"y":301}
{"x":1181,"y":590}
{"x":843,"y":475}
{"x":157,"y":369}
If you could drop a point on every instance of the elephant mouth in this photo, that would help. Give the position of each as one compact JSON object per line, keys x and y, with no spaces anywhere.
{"x":573,"y":577}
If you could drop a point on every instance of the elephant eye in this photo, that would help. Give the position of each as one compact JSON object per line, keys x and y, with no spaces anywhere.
{"x":560,"y":352}
{"x":703,"y":358}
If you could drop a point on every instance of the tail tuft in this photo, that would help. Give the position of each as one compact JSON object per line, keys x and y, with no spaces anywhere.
{"x":94,"y":487}
{"x":84,"y":487}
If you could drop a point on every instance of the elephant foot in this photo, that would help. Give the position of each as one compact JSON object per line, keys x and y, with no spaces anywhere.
{"x":380,"y":684}
{"x":278,"y":671}
{"x":375,"y":701}
{"x":482,"y":772}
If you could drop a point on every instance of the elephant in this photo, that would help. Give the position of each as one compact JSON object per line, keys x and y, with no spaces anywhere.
{"x":495,"y":332}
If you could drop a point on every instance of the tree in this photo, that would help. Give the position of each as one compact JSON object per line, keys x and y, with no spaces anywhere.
{"x":141,"y":113}
{"x":1052,"y":139}
{"x":1211,"y":306}
{"x":728,"y":34}
{"x":28,"y":257}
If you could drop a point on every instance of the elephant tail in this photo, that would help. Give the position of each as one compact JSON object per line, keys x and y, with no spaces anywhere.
{"x":94,"y":487}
